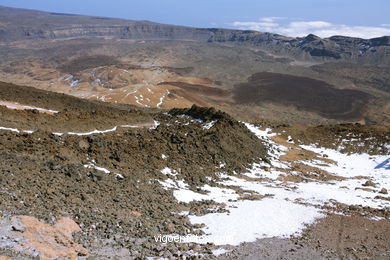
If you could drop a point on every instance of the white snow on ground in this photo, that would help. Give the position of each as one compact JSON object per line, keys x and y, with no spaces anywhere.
{"x":9,"y":129}
{"x":314,"y":193}
{"x":138,"y":99}
{"x":205,"y":125}
{"x":66,"y":77}
{"x":209,"y":124}
{"x":84,"y":95}
{"x":287,"y":207}
{"x":90,"y":133}
{"x":119,"y":176}
{"x":154,"y":126}
{"x":192,"y":119}
{"x":222,"y":165}
{"x":94,"y":132}
{"x":168,"y":171}
{"x":130,"y":93}
{"x":350,"y":165}
{"x":220,"y":251}
{"x":16,"y":130}
{"x":105,"y":97}
{"x":274,"y":150}
{"x":261,"y":134}
{"x":249,"y":220}
{"x":274,"y":216}
{"x":16,"y":105}
{"x":162,"y":99}
{"x":91,"y":165}
{"x":74,"y":83}
{"x":182,"y":192}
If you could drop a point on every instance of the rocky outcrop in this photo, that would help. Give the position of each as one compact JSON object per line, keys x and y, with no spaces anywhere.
{"x":31,"y":237}
{"x":203,"y":113}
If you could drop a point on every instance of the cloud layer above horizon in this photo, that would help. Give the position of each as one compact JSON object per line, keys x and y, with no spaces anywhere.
{"x":299,"y":28}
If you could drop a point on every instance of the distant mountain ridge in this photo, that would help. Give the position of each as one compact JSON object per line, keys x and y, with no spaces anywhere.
{"x":249,"y":74}
{"x":21,"y":24}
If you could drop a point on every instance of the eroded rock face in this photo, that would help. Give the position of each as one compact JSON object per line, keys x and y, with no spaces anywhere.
{"x":48,"y":26}
{"x":29,"y":236}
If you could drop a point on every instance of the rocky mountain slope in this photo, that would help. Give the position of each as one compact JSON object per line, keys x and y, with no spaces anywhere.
{"x":84,"y":178}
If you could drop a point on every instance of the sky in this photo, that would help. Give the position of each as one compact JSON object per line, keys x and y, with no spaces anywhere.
{"x":357,"y":18}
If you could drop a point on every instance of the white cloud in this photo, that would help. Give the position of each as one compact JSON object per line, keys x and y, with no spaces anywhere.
{"x":310,"y":25}
{"x":320,"y":28}
{"x":271,"y":19}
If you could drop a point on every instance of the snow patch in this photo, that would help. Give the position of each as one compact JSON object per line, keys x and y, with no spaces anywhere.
{"x":284,"y":208}
{"x":9,"y":129}
{"x":89,"y":133}
{"x":209,"y":124}
{"x":220,"y":251}
{"x":138,"y":99}
{"x":17,"y":106}
{"x":162,"y":99}
{"x":130,"y":93}
{"x":155,"y":125}
{"x":91,"y":165}
{"x":250,"y":220}
{"x":66,"y":77}
{"x":74,"y":83}
{"x":350,"y":165}
{"x":119,"y":176}
{"x":16,"y":130}
{"x":169,"y":171}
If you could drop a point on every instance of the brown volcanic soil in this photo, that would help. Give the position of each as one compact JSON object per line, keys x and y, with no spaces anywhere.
{"x":349,"y":237}
{"x":333,"y":237}
{"x":120,"y":71}
{"x":198,"y":94}
{"x":304,"y":93}
{"x":77,"y":115}
{"x":43,"y":175}
{"x":360,"y":138}
{"x":198,"y":89}
{"x":377,"y":77}
{"x":87,"y":62}
{"x":56,"y":101}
